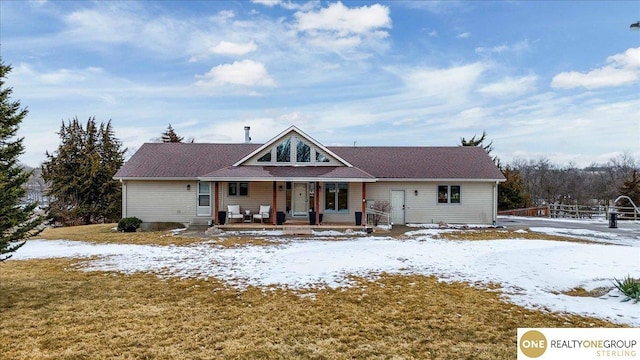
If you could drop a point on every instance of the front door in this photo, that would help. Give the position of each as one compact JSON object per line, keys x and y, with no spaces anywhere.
{"x":204,"y":199}
{"x":300,"y":199}
{"x":397,"y":207}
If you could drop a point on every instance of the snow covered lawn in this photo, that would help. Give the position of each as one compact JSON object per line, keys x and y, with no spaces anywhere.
{"x":532,"y":273}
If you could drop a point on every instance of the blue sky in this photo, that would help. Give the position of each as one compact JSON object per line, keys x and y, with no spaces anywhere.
{"x":559,"y":80}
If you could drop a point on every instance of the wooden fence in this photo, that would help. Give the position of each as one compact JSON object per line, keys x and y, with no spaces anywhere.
{"x":574,"y":212}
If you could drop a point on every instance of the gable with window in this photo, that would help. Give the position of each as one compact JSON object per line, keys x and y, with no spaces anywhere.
{"x":293,"y":150}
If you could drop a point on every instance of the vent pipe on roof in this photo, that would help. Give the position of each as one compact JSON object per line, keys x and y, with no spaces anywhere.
{"x":247,"y":138}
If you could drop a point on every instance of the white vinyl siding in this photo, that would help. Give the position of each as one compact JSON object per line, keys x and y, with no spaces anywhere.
{"x":476,"y":206}
{"x":260,"y":193}
{"x":161,"y":201}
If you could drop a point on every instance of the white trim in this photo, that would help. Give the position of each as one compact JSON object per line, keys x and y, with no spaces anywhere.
{"x":278,"y":137}
{"x":158,"y":178}
{"x":198,"y":206}
{"x":292,"y":179}
{"x":437,"y":180}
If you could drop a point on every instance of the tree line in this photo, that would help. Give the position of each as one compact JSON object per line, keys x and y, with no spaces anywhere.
{"x":81,"y":188}
{"x":541,"y":182}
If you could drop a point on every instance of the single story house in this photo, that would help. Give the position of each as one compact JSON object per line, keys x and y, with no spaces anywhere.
{"x":293,"y":174}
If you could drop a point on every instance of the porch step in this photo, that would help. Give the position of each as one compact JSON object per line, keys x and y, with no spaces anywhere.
{"x":294,"y":230}
{"x":200,"y":221}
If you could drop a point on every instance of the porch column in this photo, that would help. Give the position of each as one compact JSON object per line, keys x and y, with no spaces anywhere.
{"x":364,"y":199}
{"x":317,"y":204}
{"x":216,"y":202}
{"x":274,"y":208}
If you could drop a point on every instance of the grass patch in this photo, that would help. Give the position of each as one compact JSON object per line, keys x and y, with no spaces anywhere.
{"x":50,"y":310}
{"x":581,"y":292}
{"x":105,"y":234}
{"x":502,"y":234}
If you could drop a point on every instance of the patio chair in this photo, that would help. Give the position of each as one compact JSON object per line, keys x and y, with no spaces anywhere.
{"x":265,"y":211}
{"x":233,"y":212}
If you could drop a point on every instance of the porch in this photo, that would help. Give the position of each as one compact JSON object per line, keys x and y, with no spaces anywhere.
{"x":293,"y":227}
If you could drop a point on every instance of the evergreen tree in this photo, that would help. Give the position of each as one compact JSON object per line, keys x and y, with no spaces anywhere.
{"x":170,"y":136}
{"x":111,"y":159}
{"x":17,"y":221}
{"x":479,"y":142}
{"x":80,"y":174}
{"x":511,"y":193}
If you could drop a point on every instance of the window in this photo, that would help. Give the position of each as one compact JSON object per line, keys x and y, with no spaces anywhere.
{"x":303,"y":152}
{"x":238,"y":189}
{"x":448,"y":194}
{"x":321,"y":158}
{"x":265,"y":158}
{"x":336,"y":197}
{"x":283,"y":151}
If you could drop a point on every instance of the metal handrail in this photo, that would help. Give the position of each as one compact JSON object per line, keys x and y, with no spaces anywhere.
{"x":636,"y":211}
{"x":379,"y":213}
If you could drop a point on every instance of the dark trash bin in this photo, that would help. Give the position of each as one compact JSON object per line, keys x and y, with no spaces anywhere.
{"x":358,"y":218}
{"x":613,"y":220}
{"x":321,"y":214}
{"x":280,"y":217}
{"x":222,"y":217}
{"x":312,"y":217}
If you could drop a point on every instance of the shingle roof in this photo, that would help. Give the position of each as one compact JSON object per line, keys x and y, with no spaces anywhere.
{"x":178,"y":160}
{"x":394,"y":162}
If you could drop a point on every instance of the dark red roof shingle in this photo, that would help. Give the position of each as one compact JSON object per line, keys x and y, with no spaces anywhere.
{"x":178,"y":160}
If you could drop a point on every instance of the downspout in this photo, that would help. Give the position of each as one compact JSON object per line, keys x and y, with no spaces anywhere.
{"x":495,"y":204}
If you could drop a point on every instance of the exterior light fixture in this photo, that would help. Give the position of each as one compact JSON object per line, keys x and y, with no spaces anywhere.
{"x":280,"y":188}
{"x":188,"y":187}
{"x":415,"y":192}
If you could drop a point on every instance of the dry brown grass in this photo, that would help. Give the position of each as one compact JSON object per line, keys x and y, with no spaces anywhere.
{"x":105,"y":233}
{"x":582,"y":292}
{"x":50,"y":310}
{"x":502,"y":234}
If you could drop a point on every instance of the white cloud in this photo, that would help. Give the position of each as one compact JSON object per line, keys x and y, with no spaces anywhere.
{"x":519,"y":47}
{"x":339,"y":28}
{"x":463,"y":35}
{"x":510,"y":86}
{"x":244,"y":73}
{"x":230,"y":48}
{"x":61,"y":77}
{"x":267,"y":3}
{"x":450,"y":84}
{"x":622,"y":69}
{"x":287,"y":4}
{"x":343,"y":20}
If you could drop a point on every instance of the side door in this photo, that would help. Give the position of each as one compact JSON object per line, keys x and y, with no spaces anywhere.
{"x":397,"y":207}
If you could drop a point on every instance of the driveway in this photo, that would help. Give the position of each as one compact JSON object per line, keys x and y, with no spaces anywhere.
{"x":626,"y":228}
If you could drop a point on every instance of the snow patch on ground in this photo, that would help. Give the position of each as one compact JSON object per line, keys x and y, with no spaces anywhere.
{"x":531,"y":272}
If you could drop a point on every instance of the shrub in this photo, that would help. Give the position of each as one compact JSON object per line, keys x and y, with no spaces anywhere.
{"x":630,"y":287}
{"x":129,"y":224}
{"x":382,"y":206}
